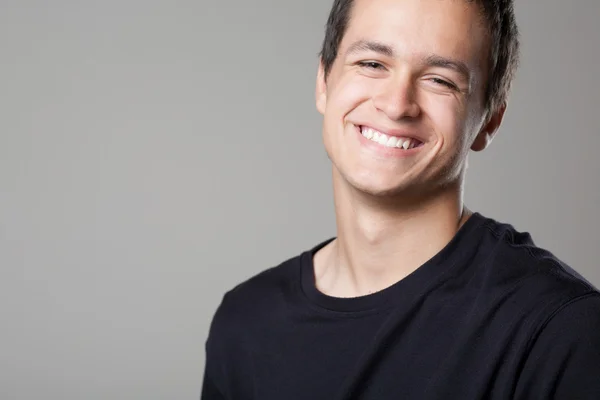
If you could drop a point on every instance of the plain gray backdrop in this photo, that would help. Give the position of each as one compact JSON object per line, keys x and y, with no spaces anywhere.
{"x":153,"y":154}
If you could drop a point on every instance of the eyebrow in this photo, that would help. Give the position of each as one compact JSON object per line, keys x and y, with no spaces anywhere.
{"x":430,"y":60}
{"x":368,"y":45}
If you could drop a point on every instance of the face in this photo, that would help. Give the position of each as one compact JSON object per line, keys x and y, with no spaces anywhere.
{"x":404,"y":100}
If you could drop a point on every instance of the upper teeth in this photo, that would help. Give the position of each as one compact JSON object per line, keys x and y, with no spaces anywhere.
{"x":388,"y":141}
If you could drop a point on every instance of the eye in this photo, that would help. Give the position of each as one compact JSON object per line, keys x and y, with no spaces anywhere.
{"x":371,"y":65}
{"x":442,"y":82}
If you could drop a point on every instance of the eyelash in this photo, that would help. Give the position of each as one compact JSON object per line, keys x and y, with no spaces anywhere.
{"x":377,"y":66}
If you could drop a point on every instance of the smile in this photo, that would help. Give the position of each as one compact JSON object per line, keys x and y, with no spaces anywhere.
{"x":389,"y":141}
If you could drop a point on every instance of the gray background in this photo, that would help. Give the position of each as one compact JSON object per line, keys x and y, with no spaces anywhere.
{"x":155,"y":153}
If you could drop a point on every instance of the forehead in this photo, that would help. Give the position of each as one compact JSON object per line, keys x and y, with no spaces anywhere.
{"x":449,"y":28}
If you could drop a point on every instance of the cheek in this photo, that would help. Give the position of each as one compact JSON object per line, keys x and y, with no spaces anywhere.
{"x":347,"y":95}
{"x":342,"y":99}
{"x":447,"y":118}
{"x":345,"y":99}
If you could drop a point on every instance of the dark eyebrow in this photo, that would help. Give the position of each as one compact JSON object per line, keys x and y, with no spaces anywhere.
{"x":367,"y":45}
{"x":434,"y":60}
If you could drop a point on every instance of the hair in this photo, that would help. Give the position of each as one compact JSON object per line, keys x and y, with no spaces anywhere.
{"x":504,"y":49}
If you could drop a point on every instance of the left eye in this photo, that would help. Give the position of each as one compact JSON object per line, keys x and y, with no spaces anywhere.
{"x":443,"y":82}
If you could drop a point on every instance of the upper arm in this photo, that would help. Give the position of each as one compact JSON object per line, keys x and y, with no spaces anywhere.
{"x":564,"y":361}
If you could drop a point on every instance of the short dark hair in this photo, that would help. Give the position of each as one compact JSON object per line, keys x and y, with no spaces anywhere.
{"x":504,"y":51}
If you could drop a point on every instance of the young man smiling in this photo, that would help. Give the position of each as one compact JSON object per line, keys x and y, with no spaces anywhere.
{"x":417,"y":297}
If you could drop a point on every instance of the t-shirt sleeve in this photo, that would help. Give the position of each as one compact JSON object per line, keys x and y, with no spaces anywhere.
{"x":564,"y":362}
{"x":210,"y":391}
{"x":213,"y":373}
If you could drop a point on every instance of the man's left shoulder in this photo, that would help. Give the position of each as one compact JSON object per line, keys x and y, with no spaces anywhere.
{"x":551,"y":273}
{"x":534,"y":276}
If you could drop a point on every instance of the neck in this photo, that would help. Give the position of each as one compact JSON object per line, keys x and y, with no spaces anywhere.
{"x":379,"y":242}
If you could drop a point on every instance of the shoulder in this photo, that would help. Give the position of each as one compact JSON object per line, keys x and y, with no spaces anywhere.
{"x":264,"y":297}
{"x":533,"y":278}
{"x":260,"y":291}
{"x":514,"y":252}
{"x":243,"y":311}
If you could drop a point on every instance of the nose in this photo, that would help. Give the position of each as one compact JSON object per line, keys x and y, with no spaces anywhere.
{"x":396,"y":98}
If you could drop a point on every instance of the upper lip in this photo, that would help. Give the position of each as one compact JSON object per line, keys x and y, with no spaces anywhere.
{"x":396,"y":132}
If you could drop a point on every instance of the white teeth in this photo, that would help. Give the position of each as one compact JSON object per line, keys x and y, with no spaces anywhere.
{"x":388,"y":141}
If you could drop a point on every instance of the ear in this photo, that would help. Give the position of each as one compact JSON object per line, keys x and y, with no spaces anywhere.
{"x":489,"y":129}
{"x":321,"y":89}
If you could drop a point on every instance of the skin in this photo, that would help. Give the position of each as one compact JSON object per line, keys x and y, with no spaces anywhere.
{"x":395,"y":213}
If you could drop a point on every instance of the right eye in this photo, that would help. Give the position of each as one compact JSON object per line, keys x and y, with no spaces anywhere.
{"x":371,"y":65}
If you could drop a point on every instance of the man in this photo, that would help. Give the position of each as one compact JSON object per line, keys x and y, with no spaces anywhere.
{"x":417,"y":297}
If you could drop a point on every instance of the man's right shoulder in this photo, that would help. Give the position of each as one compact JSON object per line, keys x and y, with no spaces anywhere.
{"x":262,"y":297}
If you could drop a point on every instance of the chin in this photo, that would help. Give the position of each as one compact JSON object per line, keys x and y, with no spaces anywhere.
{"x":381,"y":192}
{"x":377,"y":187}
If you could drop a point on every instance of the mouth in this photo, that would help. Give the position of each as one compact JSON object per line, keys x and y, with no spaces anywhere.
{"x":402,"y":143}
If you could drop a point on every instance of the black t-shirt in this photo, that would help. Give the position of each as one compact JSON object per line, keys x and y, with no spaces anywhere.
{"x":491,"y":316}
